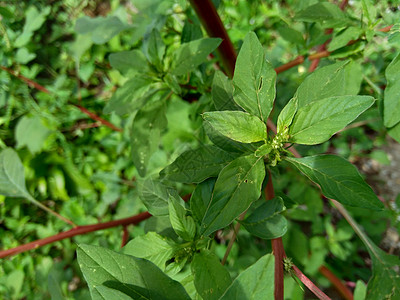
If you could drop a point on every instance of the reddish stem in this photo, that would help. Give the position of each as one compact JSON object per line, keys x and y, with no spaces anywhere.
{"x":340,"y":287}
{"x":386,"y":29}
{"x":28,"y":81}
{"x":309,"y":284}
{"x":75,"y":231}
{"x":97,"y":118}
{"x":125,"y":236}
{"x":212,"y":23}
{"x":297,"y":61}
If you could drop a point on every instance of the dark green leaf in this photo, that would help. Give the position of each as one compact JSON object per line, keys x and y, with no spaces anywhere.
{"x":326,"y":13}
{"x":316,"y":122}
{"x":256,"y":282}
{"x":153,"y":247}
{"x":210,"y":277}
{"x":286,"y":116}
{"x":291,"y":35}
{"x":391,"y":103}
{"x":155,"y":196}
{"x":183,"y":225}
{"x":102,"y":29}
{"x":254,"y":79}
{"x":329,"y":81}
{"x":136,"y":277}
{"x":146,"y":133}
{"x":189,"y":55}
{"x":131,"y":96}
{"x":111,"y":293}
{"x":237,"y":125}
{"x":237,"y":186}
{"x":193,"y":166}
{"x":12,"y":176}
{"x":222,"y":92}
{"x":190,"y":32}
{"x":338,"y":180}
{"x":266,"y":220}
{"x":154,"y":48}
{"x":201,"y":198}
{"x":126,"y":61}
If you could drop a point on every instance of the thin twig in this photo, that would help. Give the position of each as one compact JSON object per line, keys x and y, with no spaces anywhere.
{"x":28,"y":81}
{"x":95,"y":117}
{"x":309,"y":284}
{"x":337,"y":283}
{"x":136,"y":219}
{"x":233,"y":238}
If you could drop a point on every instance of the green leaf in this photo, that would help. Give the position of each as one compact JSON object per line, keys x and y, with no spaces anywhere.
{"x":211,"y":279}
{"x":189,"y":55}
{"x":12,"y":177}
{"x":154,"y":48}
{"x":193,"y":166}
{"x":360,"y":290}
{"x":126,"y":61}
{"x":111,"y":293}
{"x":369,"y":11}
{"x":342,"y":38}
{"x":266,"y":220}
{"x":153,"y":247}
{"x":101,"y":29}
{"x":256,"y":282}
{"x":291,"y":35}
{"x":131,"y":96}
{"x":338,"y":180}
{"x":391,"y":103}
{"x":31,"y":132}
{"x":222,"y":92}
{"x":190,"y":32}
{"x":394,"y":132}
{"x":136,"y":277}
{"x":286,"y":116}
{"x":328,"y":14}
{"x":183,"y":225}
{"x":263,"y":150}
{"x":385,"y":280}
{"x":201,"y":198}
{"x":228,"y":144}
{"x":155,"y":196}
{"x":146,"y":134}
{"x":254,"y":79}
{"x":23,"y":56}
{"x":316,"y":122}
{"x":329,"y":81}
{"x":237,"y":186}
{"x":237,"y":125}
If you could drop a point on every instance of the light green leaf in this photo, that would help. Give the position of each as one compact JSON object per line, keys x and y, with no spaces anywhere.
{"x":286,"y":116}
{"x":222,"y":92}
{"x":126,"y":61}
{"x":394,"y":132}
{"x":183,"y":225}
{"x":338,"y":180}
{"x":23,"y":56}
{"x":256,"y":282}
{"x":329,"y":81}
{"x":201,"y":198}
{"x":342,"y":38}
{"x":263,"y":150}
{"x":189,"y":55}
{"x":391,"y":101}
{"x":237,"y":125}
{"x":360,"y":291}
{"x":31,"y":132}
{"x":369,"y":11}
{"x":237,"y":186}
{"x":254,"y":79}
{"x":228,"y":144}
{"x":291,"y":35}
{"x":146,"y":132}
{"x":155,"y":196}
{"x":266,"y":220}
{"x":211,"y":279}
{"x":111,"y":293}
{"x":12,"y":177}
{"x":316,"y":122}
{"x":136,"y":277}
{"x":131,"y":96}
{"x":153,"y":247}
{"x":193,"y":166}
{"x":328,"y":14}
{"x":102,"y":29}
{"x":154,"y":48}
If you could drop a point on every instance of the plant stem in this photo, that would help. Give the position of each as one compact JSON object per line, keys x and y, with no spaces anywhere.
{"x":212,"y":23}
{"x":97,"y":118}
{"x":233,"y":238}
{"x":309,"y":284}
{"x":28,"y":81}
{"x":50,"y":211}
{"x":136,"y":219}
{"x":340,"y":287}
